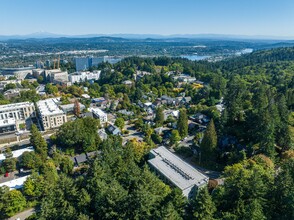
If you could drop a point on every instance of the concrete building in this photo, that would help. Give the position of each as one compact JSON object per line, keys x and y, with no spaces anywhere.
{"x":18,"y":111}
{"x":50,"y":115}
{"x":84,"y":63}
{"x":55,"y":74}
{"x":19,"y":73}
{"x":176,"y":172}
{"x":69,"y":108}
{"x":11,"y":93}
{"x":84,"y":76}
{"x":7,"y":126}
{"x":184,"y":78}
{"x":98,"y":113}
{"x":3,"y":83}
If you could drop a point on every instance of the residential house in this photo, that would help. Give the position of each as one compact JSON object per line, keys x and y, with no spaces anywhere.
{"x":114,"y":130}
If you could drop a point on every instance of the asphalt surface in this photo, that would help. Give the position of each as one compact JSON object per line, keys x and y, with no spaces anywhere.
{"x":23,"y":215}
{"x":23,"y":142}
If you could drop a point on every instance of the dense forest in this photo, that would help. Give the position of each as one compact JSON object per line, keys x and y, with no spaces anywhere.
{"x":251,"y":142}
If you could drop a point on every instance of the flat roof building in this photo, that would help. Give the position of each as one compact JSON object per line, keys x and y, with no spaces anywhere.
{"x":17,"y":153}
{"x":50,"y":114}
{"x":15,"y":183}
{"x":18,"y":111}
{"x":7,"y":125}
{"x":98,"y":113}
{"x":176,"y":172}
{"x":69,"y":108}
{"x":84,"y":76}
{"x":18,"y":72}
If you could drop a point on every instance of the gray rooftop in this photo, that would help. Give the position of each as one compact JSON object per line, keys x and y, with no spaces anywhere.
{"x":177,"y":171}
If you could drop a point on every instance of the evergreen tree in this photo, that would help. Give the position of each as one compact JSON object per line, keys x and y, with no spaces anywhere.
{"x":202,"y":206}
{"x":246,"y":190}
{"x":175,"y":137}
{"x":66,"y":165}
{"x":209,"y":142}
{"x":159,"y":118}
{"x":283,"y":201}
{"x":183,"y":123}
{"x":38,"y":142}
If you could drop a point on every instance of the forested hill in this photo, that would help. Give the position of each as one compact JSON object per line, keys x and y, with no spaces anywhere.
{"x":259,"y":57}
{"x":251,"y":142}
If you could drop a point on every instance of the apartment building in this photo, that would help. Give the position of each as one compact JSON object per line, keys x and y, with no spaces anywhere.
{"x":50,"y":115}
{"x":18,"y":111}
{"x":98,"y":113}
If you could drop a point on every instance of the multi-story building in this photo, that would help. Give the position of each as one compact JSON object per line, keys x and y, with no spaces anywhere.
{"x":19,"y":73}
{"x":7,"y":125}
{"x":55,"y":74}
{"x":10,"y":93}
{"x":95,"y":61}
{"x":19,"y":111}
{"x":50,"y":115}
{"x":98,"y":113}
{"x":84,"y":63}
{"x":69,"y":108}
{"x":176,"y":172}
{"x":3,"y":83}
{"x":84,"y":76}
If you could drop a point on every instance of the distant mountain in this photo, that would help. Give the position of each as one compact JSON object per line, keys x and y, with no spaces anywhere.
{"x":41,"y":35}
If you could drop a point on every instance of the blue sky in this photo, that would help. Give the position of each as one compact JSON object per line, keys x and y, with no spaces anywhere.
{"x":242,"y":17}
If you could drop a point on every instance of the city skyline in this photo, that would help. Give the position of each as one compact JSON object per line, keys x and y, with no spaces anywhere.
{"x":251,"y":18}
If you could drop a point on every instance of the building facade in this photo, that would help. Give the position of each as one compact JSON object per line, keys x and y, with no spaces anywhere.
{"x":50,"y":115}
{"x":98,"y":113}
{"x":7,"y":126}
{"x":18,"y":111}
{"x":19,"y":73}
{"x":84,"y":63}
{"x":84,"y":76}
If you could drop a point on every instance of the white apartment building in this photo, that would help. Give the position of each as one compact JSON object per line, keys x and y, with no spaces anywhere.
{"x":84,"y":76}
{"x":98,"y":113}
{"x":50,"y":115}
{"x":18,"y":111}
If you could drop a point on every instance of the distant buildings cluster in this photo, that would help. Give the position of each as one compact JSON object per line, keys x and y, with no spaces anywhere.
{"x":84,"y":63}
{"x":50,"y":114}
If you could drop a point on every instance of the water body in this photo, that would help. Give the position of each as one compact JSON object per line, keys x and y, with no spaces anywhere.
{"x":195,"y":57}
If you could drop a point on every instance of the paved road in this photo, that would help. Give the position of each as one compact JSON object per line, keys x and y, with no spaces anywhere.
{"x":23,"y":142}
{"x":23,"y":215}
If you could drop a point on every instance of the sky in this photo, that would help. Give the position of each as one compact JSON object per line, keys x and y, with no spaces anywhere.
{"x":165,"y":17}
